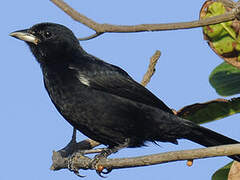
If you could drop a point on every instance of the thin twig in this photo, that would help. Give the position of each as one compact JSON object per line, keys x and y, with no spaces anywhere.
{"x":104,"y":28}
{"x":151,"y":68}
{"x":89,"y":37}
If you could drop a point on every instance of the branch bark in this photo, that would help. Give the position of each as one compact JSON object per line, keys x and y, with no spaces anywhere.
{"x":83,"y":162}
{"x":108,"y":28}
{"x":151,"y":68}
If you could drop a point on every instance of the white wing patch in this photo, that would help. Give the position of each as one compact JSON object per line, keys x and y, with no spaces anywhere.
{"x":83,"y":79}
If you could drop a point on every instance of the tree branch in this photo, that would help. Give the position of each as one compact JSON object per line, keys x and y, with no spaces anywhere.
{"x":151,"y":68}
{"x":104,"y":28}
{"x":83,"y":162}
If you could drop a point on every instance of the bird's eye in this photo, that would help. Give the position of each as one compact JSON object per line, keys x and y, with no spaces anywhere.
{"x":47,"y":34}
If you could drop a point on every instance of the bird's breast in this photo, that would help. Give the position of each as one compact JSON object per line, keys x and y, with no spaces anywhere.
{"x":64,"y":89}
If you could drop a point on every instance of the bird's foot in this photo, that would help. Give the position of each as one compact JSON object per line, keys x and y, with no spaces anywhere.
{"x":98,"y":158}
{"x":103,"y":155}
{"x":71,"y":165}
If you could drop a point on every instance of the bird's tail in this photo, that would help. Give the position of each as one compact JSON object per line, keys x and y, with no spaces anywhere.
{"x":168,"y":128}
{"x":208,"y":138}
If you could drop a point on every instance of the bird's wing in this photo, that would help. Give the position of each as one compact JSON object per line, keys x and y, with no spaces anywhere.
{"x":112,"y":79}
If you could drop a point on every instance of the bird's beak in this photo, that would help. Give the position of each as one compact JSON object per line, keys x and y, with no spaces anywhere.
{"x":25,"y":36}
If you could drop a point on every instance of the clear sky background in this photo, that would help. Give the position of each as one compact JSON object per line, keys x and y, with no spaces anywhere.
{"x":31,"y":128}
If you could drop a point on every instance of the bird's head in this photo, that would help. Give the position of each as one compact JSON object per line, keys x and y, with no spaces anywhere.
{"x":49,"y":42}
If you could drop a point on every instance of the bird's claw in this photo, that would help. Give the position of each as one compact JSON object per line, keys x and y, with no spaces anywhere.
{"x":107,"y":171}
{"x":100,"y":174}
{"x":79,"y":175}
{"x":100,"y":171}
{"x":71,"y":165}
{"x":98,"y":158}
{"x":100,"y":168}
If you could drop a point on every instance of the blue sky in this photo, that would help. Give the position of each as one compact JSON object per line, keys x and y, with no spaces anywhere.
{"x":31,"y":128}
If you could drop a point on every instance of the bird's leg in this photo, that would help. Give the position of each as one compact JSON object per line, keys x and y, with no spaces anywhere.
{"x":74,"y":136}
{"x":70,"y":147}
{"x":105,"y":153}
{"x":83,"y":147}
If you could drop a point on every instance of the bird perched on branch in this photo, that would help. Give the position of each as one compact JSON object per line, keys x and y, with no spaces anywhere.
{"x":101,"y":100}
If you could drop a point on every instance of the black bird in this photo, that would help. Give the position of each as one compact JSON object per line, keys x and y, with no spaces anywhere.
{"x":101,"y":100}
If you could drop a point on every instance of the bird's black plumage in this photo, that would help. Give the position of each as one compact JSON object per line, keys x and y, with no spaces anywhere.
{"x":101,"y":100}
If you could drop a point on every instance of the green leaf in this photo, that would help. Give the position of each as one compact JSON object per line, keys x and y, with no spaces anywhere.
{"x":222,"y":173}
{"x":225,"y":79}
{"x":210,"y":111}
{"x":223,"y":38}
{"x":222,"y":35}
{"x":224,"y":45}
